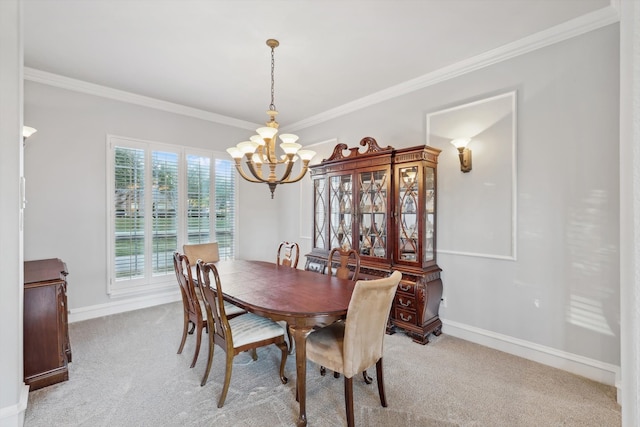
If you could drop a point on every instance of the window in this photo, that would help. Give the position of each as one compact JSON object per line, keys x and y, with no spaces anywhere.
{"x":160,"y":198}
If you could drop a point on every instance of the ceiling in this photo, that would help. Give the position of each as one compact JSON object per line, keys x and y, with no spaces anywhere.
{"x":211,"y":55}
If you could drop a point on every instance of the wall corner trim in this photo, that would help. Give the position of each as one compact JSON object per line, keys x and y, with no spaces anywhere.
{"x":14,"y":415}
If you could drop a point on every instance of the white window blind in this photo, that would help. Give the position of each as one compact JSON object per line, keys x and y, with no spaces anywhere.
{"x":225,"y":195}
{"x":164,"y":223}
{"x":160,"y":198}
{"x":198,"y":191}
{"x":129,"y":174}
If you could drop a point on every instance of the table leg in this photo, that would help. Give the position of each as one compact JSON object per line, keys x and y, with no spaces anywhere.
{"x":300,"y":339}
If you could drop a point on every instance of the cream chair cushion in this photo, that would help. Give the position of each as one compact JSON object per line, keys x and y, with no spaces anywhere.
{"x":354,"y":345}
{"x":250,"y":327}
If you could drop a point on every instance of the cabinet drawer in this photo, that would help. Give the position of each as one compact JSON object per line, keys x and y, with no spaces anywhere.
{"x":407,"y":288}
{"x":403,"y":315}
{"x":405,"y":302}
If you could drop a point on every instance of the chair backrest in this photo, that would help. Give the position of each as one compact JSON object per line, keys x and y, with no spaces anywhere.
{"x":366,"y":322}
{"x":288,"y":254}
{"x":207,"y":252}
{"x":182,"y":269}
{"x":345,"y":258}
{"x":214,"y":303}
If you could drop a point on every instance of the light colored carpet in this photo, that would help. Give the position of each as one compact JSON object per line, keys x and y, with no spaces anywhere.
{"x":126,"y":372}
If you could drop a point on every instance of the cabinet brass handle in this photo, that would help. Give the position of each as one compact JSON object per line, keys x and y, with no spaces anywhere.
{"x":405,"y":319}
{"x":404,"y":288}
{"x":403,"y":304}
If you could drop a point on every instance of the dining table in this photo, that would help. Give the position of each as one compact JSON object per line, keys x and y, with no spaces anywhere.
{"x":304,"y":299}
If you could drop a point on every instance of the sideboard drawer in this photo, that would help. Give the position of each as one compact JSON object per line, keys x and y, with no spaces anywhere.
{"x":404,"y":301}
{"x":407,"y":288}
{"x":407,"y":316}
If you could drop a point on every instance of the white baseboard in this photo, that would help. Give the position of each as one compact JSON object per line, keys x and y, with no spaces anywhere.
{"x":129,"y":304}
{"x":595,"y":370}
{"x":13,"y":416}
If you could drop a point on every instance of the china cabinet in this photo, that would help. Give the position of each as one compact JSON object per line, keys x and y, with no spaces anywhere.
{"x":382,"y":202}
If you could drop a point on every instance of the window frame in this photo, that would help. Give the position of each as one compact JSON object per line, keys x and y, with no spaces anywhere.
{"x":163,"y":281}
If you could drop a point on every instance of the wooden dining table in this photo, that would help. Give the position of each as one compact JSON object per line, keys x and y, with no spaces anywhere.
{"x":304,"y":299}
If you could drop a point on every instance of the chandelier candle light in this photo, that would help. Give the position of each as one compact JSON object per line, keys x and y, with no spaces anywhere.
{"x":260,"y":150}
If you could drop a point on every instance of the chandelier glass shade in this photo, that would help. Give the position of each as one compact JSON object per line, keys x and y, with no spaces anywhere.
{"x":262,"y":161}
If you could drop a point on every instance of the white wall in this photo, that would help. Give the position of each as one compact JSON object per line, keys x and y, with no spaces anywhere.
{"x":561,"y":296}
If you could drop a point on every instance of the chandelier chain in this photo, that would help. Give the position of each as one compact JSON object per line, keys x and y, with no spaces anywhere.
{"x":259,"y":151}
{"x":272,"y":106}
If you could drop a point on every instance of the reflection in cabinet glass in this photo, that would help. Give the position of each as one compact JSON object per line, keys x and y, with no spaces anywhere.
{"x":382,"y":203}
{"x":320,"y":213}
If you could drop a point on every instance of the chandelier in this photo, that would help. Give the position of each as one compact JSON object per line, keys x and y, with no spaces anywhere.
{"x":260,"y":150}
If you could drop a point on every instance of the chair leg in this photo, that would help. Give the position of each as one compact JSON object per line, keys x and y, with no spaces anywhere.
{"x":383,"y":398}
{"x":348,"y":400}
{"x":227,"y":379}
{"x":290,"y":340}
{"x":323,"y":372}
{"x":283,"y":360}
{"x":199,"y":328}
{"x":367,"y":378}
{"x":254,"y":354}
{"x":209,"y":360}
{"x":184,"y":333}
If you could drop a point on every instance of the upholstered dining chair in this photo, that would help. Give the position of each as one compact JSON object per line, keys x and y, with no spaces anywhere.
{"x":191,"y":304}
{"x":352,"y":346}
{"x":241,"y":333}
{"x":288,"y":254}
{"x":344,"y":259}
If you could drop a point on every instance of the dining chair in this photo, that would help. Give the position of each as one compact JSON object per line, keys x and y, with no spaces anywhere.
{"x":191,"y":304}
{"x":288,"y":254}
{"x":207,"y":252}
{"x":345,"y":259}
{"x":352,"y":346}
{"x":235,"y":335}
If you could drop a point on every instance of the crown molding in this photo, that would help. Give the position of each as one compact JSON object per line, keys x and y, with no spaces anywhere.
{"x":56,"y":80}
{"x":564,"y":31}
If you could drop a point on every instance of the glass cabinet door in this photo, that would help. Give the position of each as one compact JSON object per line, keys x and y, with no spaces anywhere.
{"x":373,"y":187}
{"x":320,"y":213}
{"x":430,"y":222}
{"x":341,"y":211}
{"x":408,"y":214}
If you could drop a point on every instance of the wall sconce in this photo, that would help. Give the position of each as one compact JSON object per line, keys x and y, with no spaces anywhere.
{"x":27,"y":132}
{"x":463,"y":153}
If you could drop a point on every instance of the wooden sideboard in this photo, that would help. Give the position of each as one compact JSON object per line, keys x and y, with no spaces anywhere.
{"x":47,"y":350}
